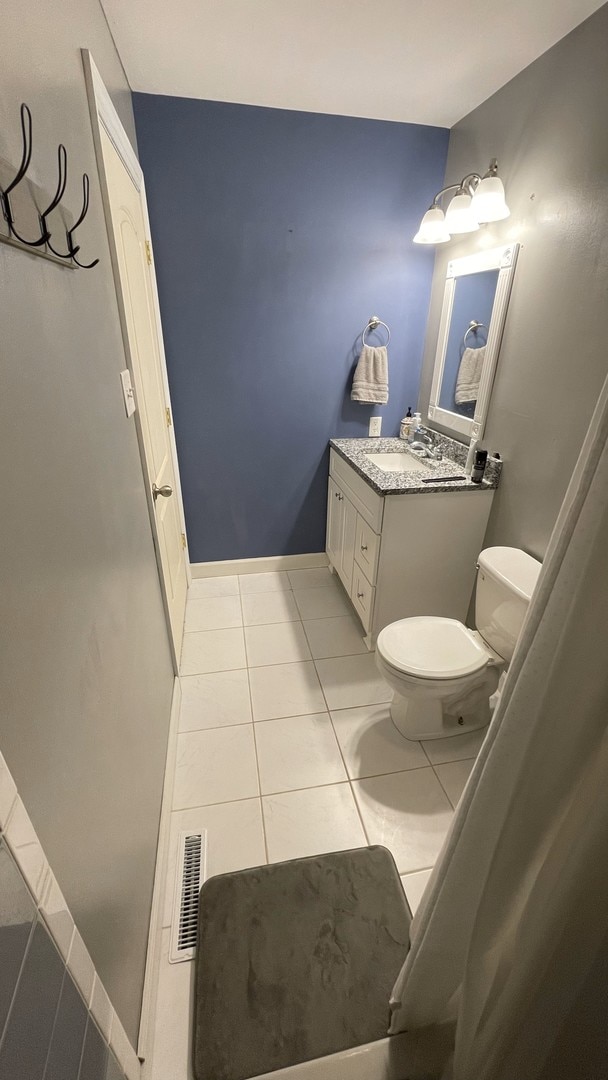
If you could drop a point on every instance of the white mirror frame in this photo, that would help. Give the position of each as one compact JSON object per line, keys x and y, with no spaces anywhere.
{"x":502,"y":259}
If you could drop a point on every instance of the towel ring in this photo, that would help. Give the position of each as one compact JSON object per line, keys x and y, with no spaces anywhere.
{"x":473,"y":328}
{"x":373,"y":324}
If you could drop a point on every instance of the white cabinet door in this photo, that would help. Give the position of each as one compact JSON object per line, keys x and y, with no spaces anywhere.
{"x":335,"y":519}
{"x":349,"y":530}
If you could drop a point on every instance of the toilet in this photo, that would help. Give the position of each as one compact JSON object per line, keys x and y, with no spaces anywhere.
{"x":442,"y":673}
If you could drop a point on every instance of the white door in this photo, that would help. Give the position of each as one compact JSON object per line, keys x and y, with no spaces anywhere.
{"x":135,"y":270}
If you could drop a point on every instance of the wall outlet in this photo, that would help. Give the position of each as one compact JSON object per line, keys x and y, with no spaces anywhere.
{"x":375,"y":426}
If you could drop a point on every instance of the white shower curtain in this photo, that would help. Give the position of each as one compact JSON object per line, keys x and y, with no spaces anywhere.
{"x":511,"y":942}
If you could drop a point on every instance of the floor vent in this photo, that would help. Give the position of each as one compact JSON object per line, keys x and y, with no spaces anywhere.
{"x":190,"y":874}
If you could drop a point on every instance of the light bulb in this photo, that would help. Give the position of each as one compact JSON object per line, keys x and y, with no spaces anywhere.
{"x":488,"y":202}
{"x":432,"y":228}
{"x":459,"y":217}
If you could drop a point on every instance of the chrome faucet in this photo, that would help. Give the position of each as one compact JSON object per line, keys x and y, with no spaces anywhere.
{"x":425,"y":442}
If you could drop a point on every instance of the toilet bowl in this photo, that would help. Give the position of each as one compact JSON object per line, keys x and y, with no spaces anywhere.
{"x":441,"y":672}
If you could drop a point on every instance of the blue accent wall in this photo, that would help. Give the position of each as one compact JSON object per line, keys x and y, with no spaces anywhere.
{"x":276,"y":235}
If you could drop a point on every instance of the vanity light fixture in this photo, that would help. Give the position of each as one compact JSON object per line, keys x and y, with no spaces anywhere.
{"x":489,"y":203}
{"x":433,"y":228}
{"x":477,"y":201}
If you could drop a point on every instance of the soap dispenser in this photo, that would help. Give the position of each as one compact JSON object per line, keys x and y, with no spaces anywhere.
{"x":416,"y":427}
{"x":407,"y":424}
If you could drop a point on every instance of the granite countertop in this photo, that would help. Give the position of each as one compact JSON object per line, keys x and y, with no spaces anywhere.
{"x":409,"y":483}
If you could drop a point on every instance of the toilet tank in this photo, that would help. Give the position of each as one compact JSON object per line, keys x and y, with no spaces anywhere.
{"x":506,"y":578}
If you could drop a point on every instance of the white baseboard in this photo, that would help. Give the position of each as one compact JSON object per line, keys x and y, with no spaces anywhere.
{"x":258,"y":566}
{"x":148,"y":1005}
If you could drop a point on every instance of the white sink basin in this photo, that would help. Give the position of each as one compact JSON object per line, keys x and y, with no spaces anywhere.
{"x":398,"y":462}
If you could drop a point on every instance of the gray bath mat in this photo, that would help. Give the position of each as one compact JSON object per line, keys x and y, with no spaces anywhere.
{"x":296,"y":960}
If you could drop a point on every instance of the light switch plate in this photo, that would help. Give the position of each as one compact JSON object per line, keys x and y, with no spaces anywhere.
{"x":127,"y":392}
{"x":375,"y":426}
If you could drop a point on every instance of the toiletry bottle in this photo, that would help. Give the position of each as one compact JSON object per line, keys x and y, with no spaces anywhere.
{"x":406,"y":424}
{"x":471,"y":456}
{"x":417,"y":424}
{"x":481,"y":457}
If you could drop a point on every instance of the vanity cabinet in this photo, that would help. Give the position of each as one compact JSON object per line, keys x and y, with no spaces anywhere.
{"x":341,"y":527}
{"x":406,"y":554}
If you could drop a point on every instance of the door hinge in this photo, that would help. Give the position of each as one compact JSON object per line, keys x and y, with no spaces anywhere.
{"x":184,"y":541}
{"x":148,"y":253}
{"x":168,"y":416}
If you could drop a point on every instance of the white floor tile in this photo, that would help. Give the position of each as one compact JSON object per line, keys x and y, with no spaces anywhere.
{"x":212,"y":650}
{"x":414,"y":886}
{"x":341,"y":636}
{"x":235,"y":840}
{"x":276,"y":643}
{"x":453,"y":776}
{"x":350,"y":681}
{"x":311,"y":822}
{"x":298,"y":752}
{"x":455,"y":748}
{"x":213,"y":613}
{"x":215,"y":766}
{"x":271,"y":607}
{"x":219,"y":699}
{"x":214,"y":586}
{"x":371,"y":743}
{"x":276,"y":581}
{"x":323,"y":603}
{"x":285,"y":690}
{"x":310,"y":579}
{"x":407,"y":812}
{"x":173,"y":1031}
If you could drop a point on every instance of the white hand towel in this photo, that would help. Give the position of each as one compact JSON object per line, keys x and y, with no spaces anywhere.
{"x":469,"y":375}
{"x":370,"y":381}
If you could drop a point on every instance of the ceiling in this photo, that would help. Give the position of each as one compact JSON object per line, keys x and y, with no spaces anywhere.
{"x":423,"y":61}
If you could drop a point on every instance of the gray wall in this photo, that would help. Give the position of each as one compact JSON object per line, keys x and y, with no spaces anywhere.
{"x":547,"y":127}
{"x":85,"y":670}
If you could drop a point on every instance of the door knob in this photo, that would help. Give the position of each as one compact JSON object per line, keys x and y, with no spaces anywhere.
{"x":165,"y":491}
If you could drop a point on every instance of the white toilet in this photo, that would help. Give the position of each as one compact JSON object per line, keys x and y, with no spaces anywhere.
{"x":443,"y":674}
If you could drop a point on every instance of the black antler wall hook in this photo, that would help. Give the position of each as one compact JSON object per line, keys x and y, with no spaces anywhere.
{"x":43,"y":245}
{"x":78,"y":223}
{"x":26,"y":157}
{"x":62,"y":162}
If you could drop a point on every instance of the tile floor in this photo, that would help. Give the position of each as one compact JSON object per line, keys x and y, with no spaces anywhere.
{"x":286,"y":748}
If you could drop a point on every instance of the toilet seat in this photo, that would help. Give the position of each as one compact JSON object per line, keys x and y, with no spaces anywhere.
{"x":431,"y":647}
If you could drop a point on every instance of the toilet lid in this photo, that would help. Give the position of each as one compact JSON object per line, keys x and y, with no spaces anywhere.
{"x":431,"y":648}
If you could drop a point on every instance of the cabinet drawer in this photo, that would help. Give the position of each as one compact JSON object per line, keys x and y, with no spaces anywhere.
{"x":362,"y":596}
{"x":367,"y":549}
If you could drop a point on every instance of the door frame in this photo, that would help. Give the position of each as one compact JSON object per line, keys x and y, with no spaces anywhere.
{"x":103,"y":113}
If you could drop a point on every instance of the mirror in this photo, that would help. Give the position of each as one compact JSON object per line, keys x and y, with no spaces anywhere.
{"x":474,"y":308}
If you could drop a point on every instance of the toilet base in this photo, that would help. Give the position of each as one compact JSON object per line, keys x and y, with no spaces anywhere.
{"x":425,"y":718}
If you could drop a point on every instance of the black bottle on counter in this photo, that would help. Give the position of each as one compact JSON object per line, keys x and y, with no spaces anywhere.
{"x":479,"y":466}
